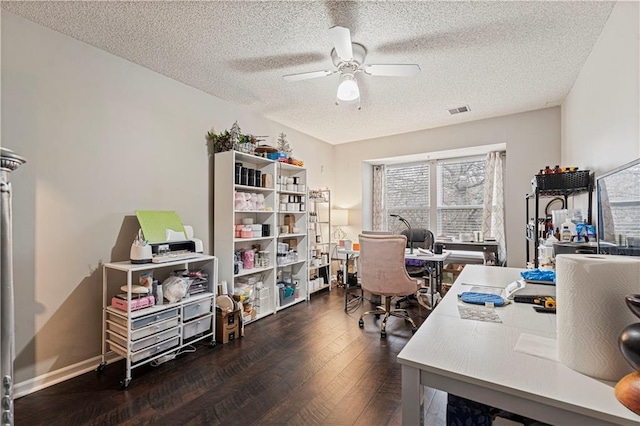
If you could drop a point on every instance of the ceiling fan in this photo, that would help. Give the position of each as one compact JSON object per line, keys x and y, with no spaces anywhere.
{"x":349,"y":57}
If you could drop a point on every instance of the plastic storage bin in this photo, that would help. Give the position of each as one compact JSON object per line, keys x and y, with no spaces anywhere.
{"x":285,"y":300}
{"x":198,"y":326}
{"x":143,"y":332}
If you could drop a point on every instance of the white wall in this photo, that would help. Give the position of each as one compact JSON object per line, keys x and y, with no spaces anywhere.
{"x":601,"y":114}
{"x":532,"y":139}
{"x":103,"y":137}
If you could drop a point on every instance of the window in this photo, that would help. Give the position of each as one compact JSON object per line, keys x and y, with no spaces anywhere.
{"x":457,"y":185}
{"x":460,"y":195}
{"x":407,"y":194}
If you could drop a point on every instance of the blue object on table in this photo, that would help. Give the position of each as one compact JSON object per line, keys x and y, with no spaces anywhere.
{"x":414,"y":262}
{"x":538,"y":275}
{"x":482,"y":298}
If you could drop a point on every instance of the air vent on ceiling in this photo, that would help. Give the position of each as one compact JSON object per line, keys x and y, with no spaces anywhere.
{"x":459,"y":110}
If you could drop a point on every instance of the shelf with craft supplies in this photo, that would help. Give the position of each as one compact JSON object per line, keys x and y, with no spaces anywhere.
{"x":249,"y":229}
{"x":160,"y":310}
{"x":558,"y":184}
{"x":320,"y":273}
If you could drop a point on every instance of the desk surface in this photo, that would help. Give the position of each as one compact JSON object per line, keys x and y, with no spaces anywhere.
{"x":487,"y":246}
{"x":477,"y":360}
{"x":416,"y":255}
{"x":515,"y":315}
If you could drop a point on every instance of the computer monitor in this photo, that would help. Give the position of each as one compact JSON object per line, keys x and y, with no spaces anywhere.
{"x":618,"y":201}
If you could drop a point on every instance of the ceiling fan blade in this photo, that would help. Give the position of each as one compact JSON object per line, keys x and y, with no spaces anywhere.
{"x":275,"y":62}
{"x":341,"y":38}
{"x":395,"y":70}
{"x":306,"y":75}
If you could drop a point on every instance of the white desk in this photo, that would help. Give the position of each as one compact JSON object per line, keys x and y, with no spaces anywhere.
{"x":436,"y":263}
{"x":476,"y":360}
{"x":436,"y":260}
{"x":489,"y":249}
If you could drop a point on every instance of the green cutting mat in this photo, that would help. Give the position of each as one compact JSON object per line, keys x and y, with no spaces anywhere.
{"x":154,"y":223}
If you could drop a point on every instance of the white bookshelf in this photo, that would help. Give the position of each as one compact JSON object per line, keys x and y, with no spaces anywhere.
{"x":291,"y":187}
{"x":319,"y":240}
{"x":228,"y":214}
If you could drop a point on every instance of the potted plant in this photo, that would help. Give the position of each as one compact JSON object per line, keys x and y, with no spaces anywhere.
{"x":231,"y":139}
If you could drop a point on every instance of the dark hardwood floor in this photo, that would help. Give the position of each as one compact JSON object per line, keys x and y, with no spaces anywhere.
{"x":308,"y":364}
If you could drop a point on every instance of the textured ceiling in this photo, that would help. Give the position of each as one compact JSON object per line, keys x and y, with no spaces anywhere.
{"x":496,"y":57}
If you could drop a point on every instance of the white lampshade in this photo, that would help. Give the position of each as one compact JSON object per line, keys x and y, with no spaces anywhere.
{"x":348,"y":89}
{"x":339,"y":217}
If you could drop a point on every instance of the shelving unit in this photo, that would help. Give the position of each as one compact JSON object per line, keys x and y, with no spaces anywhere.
{"x":291,"y":267}
{"x":283,"y":204}
{"x":561,"y":185}
{"x":319,"y":240}
{"x":230,"y":209}
{"x":144,"y":335}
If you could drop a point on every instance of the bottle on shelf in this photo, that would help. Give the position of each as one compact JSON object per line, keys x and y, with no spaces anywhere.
{"x":568,"y":230}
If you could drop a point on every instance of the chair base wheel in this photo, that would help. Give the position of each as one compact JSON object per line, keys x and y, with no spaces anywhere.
{"x":377,"y":316}
{"x":413,"y":330}
{"x":361,"y":323}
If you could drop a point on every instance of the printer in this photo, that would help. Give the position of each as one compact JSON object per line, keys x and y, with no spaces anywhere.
{"x":162,"y":238}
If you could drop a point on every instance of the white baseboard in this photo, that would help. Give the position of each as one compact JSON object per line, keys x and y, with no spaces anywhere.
{"x":54,"y":377}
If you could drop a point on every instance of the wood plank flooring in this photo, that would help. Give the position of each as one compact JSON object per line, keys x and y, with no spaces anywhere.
{"x":309,"y":364}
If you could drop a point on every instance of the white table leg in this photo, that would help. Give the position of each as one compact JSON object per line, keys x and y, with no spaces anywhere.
{"x":412,"y":397}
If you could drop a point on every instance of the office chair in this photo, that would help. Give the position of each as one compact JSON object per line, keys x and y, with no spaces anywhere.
{"x":422,"y":238}
{"x":384,"y":274}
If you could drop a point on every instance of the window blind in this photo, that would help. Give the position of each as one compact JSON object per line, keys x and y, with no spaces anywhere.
{"x":407,"y":194}
{"x":460,"y":195}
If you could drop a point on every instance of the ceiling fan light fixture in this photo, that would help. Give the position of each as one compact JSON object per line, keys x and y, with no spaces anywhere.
{"x":348,"y":90}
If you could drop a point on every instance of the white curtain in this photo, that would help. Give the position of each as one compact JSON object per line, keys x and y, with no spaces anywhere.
{"x":379,"y":204}
{"x":493,"y":209}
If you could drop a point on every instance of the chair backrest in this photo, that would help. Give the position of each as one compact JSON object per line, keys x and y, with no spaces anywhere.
{"x":377,"y":232}
{"x":421,"y":238}
{"x":382,"y":265}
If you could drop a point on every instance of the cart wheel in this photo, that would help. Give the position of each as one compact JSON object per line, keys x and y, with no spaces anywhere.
{"x":383,"y":334}
{"x":413,"y":330}
{"x":361,"y":323}
{"x":101,"y":368}
{"x":124,"y":383}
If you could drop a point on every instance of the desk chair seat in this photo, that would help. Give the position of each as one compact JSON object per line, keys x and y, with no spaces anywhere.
{"x":383,"y":273}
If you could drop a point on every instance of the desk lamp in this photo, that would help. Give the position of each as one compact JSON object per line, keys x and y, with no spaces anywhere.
{"x":403,"y":220}
{"x":339,"y":218}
